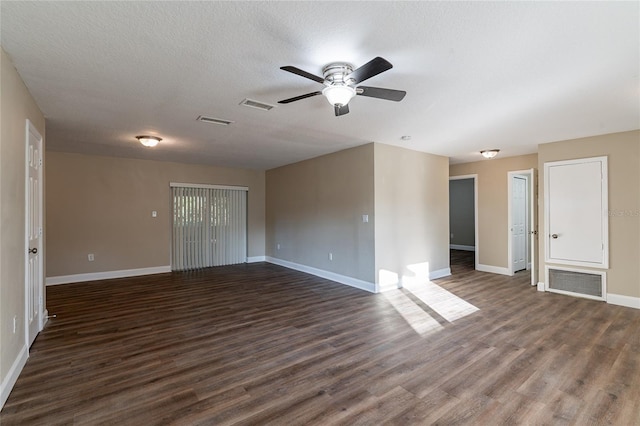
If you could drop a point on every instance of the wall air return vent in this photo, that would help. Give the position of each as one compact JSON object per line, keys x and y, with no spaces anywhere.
{"x":258,"y":105}
{"x":582,"y":283}
{"x":214,"y":120}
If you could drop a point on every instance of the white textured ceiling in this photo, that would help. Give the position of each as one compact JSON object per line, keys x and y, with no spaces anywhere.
{"x":479,"y":75}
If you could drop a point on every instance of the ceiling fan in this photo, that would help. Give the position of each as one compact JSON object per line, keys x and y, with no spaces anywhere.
{"x":342,"y":83}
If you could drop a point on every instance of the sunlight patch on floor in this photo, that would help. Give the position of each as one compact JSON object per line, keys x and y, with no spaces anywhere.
{"x":414,"y":315}
{"x":446,"y":304}
{"x":438,"y":302}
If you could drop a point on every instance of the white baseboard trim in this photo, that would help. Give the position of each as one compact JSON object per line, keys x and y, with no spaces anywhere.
{"x":107,"y":275}
{"x":342,"y":279}
{"x":462,"y":247}
{"x":620,"y":300}
{"x":613,"y":299}
{"x":254,"y":259}
{"x":493,"y":269}
{"x":440,"y":273}
{"x":12,"y":375}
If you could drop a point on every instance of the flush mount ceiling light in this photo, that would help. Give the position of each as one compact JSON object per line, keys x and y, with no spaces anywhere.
{"x":149,"y":141}
{"x":490,"y":153}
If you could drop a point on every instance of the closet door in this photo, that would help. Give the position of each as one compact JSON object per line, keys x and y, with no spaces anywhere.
{"x":576,"y":221}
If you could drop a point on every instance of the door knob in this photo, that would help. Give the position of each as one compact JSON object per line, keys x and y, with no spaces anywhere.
{"x":33,"y":250}
{"x":554,"y":236}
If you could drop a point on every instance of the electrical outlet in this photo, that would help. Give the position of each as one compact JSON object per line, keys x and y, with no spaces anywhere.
{"x":365,"y":218}
{"x":278,"y":246}
{"x":154,"y":214}
{"x":91,"y":257}
{"x":452,"y":236}
{"x":330,"y":256}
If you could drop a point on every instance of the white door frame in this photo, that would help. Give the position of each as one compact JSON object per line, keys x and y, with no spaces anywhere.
{"x":475,"y":212}
{"x":533,"y":231}
{"x":31,"y":129}
{"x":528,"y":174}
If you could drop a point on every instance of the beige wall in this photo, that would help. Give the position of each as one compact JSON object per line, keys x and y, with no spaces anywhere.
{"x":623,"y":152}
{"x":493,"y":203}
{"x":315,"y":207}
{"x":16,"y":106}
{"x":103,"y":205}
{"x":412,"y":213}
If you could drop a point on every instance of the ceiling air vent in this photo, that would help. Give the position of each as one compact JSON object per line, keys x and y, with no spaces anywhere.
{"x":214,"y":120}
{"x":255,"y":104}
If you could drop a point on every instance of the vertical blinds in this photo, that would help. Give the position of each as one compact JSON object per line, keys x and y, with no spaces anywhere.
{"x":209,"y":227}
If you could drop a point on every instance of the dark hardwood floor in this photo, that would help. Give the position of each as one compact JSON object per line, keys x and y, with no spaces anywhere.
{"x":462,"y":261}
{"x":260,"y":344}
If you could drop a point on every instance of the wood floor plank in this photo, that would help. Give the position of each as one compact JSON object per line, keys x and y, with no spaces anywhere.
{"x":261,"y":344}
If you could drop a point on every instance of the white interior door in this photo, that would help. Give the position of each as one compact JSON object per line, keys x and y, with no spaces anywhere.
{"x":533,"y":216}
{"x":576,"y":222}
{"x":519,"y":222}
{"x":33,"y":221}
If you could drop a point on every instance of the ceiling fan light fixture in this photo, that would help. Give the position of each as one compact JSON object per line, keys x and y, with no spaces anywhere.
{"x":339,"y":94}
{"x":341,"y":82}
{"x":489,"y":153}
{"x":149,"y":141}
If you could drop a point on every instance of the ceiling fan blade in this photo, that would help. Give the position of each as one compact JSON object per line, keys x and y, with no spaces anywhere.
{"x":370,"y":69}
{"x":297,"y":98}
{"x":380,"y":93}
{"x":302,"y":73}
{"x":341,"y":110}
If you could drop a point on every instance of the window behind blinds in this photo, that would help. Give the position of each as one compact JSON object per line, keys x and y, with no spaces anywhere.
{"x":209,"y":226}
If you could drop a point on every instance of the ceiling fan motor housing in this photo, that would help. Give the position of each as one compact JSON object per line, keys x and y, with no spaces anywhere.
{"x":337,"y":74}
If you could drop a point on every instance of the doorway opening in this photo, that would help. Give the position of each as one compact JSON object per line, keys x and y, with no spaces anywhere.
{"x":522,"y":223}
{"x":464,"y":250}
